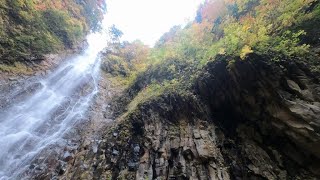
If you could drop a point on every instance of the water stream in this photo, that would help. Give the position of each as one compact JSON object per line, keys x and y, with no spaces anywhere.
{"x":59,"y":102}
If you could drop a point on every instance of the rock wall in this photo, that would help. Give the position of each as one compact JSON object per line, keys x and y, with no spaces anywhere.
{"x":249,"y":119}
{"x":269,"y":117}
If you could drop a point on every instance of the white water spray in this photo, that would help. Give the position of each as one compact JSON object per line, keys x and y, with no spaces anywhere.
{"x":52,"y":111}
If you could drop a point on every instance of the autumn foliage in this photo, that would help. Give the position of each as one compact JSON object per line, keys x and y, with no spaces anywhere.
{"x":241,"y":27}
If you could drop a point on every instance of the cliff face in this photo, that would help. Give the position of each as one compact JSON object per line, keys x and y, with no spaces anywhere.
{"x":249,"y":119}
{"x":268,"y":115}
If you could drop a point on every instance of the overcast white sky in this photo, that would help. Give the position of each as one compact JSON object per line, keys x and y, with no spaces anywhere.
{"x":147,"y":20}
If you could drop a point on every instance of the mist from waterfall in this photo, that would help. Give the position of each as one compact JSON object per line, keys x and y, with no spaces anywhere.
{"x":59,"y":103}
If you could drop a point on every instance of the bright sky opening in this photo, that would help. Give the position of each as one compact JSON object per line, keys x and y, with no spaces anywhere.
{"x":147,"y":20}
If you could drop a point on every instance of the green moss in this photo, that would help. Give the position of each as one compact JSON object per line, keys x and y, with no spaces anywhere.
{"x":151,"y":91}
{"x":16,"y":68}
{"x":126,"y":175}
{"x":107,"y":175}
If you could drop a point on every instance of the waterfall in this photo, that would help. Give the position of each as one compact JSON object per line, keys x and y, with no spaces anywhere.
{"x":47,"y":115}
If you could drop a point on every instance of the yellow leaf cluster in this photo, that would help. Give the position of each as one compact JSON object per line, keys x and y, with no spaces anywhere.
{"x":245,"y":51}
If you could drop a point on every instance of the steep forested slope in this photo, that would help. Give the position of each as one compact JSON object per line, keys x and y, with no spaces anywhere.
{"x":31,"y":28}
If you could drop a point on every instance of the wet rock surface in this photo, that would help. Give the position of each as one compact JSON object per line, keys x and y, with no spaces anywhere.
{"x":15,"y":87}
{"x":75,"y":156}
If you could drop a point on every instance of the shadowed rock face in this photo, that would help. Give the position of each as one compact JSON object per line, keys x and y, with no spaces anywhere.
{"x":248,"y":120}
{"x":269,"y":117}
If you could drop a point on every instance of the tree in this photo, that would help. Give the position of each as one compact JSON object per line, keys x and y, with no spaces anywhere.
{"x":115,"y":34}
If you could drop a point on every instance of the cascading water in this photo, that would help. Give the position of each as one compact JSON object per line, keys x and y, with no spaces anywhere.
{"x":44,"y":118}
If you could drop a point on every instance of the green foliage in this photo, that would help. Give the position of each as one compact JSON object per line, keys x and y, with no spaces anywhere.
{"x":60,"y":25}
{"x":92,"y":11}
{"x":262,"y":27}
{"x":31,"y":28}
{"x":288,"y":44}
{"x":241,"y":27}
{"x":190,"y":45}
{"x":116,"y":65}
{"x":153,"y":90}
{"x":125,"y":59}
{"x":245,"y":51}
{"x":17,"y":68}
